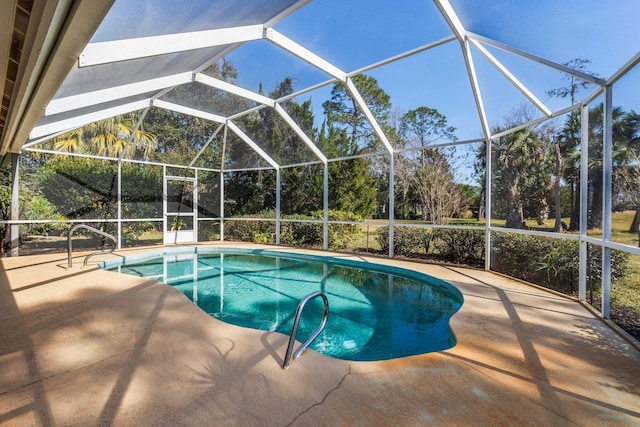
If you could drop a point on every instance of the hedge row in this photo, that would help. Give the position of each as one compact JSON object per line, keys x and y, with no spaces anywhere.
{"x":309,"y":234}
{"x":551,"y":262}
{"x":546,"y":261}
{"x":451,"y":245}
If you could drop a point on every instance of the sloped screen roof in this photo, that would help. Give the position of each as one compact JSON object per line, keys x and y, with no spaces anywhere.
{"x":473,"y":61}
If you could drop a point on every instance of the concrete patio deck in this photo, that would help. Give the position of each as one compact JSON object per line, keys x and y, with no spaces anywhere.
{"x":83,"y":346}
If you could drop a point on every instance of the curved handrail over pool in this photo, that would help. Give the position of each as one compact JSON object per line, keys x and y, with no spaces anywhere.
{"x":294,"y":329}
{"x":95,"y":230}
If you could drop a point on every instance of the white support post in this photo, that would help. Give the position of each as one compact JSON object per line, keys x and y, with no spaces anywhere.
{"x":119,"y":205}
{"x":221,"y":206}
{"x":487,"y":205}
{"x":607,"y":202}
{"x":584,"y":179}
{"x":325,"y":209}
{"x":195,"y":211}
{"x":15,"y":204}
{"x":222,"y":157}
{"x":278,"y":188}
{"x":392,"y":214}
{"x":164,"y":201}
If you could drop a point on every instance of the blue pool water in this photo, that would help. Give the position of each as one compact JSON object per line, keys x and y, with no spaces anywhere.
{"x":376,"y":312}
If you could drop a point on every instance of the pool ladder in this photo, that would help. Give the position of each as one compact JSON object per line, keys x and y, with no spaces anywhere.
{"x":95,"y":230}
{"x":296,"y":322}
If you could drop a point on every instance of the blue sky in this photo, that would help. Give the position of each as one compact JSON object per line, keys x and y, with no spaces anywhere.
{"x":354,"y":33}
{"x":351,"y":34}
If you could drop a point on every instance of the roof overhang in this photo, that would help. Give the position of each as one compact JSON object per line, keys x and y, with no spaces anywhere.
{"x":38,"y":47}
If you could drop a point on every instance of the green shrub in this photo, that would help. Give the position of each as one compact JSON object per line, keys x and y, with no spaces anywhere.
{"x":299,"y":232}
{"x":245,"y":230}
{"x":39,"y":208}
{"x":460,"y":245}
{"x":341,"y":235}
{"x":261,"y":238}
{"x":550,"y":262}
{"x":453,"y":245}
{"x":407,"y":241}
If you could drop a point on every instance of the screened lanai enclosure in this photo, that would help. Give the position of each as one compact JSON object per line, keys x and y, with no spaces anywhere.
{"x":503,"y":136}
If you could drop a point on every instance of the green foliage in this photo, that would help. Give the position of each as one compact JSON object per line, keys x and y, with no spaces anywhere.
{"x":342,"y":112}
{"x":459,"y":245}
{"x":39,"y":208}
{"x":261,"y":238}
{"x":548,"y":261}
{"x":246,"y":230}
{"x":178,"y":224}
{"x":141,"y":191}
{"x":88,"y":188}
{"x":79,"y":187}
{"x":141,"y":233}
{"x":302,"y":230}
{"x":452,"y":245}
{"x":302,"y":189}
{"x":340,"y":235}
{"x":407,"y":241}
{"x":249,"y":192}
{"x":5,"y":204}
{"x":352,"y":188}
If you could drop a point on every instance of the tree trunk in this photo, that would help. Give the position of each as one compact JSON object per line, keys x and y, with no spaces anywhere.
{"x":556,"y":192}
{"x":574,"y":224}
{"x":481,"y":213}
{"x":543,"y":211}
{"x":594,"y":218}
{"x":635,"y":224}
{"x":515,"y":217}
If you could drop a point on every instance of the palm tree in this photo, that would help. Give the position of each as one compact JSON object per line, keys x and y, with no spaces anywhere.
{"x":111,"y":137}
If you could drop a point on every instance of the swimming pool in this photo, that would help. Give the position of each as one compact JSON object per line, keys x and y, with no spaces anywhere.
{"x":376,"y":312}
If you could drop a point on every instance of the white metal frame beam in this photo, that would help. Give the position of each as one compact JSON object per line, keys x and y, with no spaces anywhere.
{"x":460,"y":32}
{"x":558,"y":67}
{"x":235,"y":129}
{"x":123,"y":50}
{"x":281,"y":111}
{"x":233,"y":89}
{"x":513,"y":79}
{"x":78,"y":121}
{"x":323,"y":65}
{"x":133,"y":134}
{"x":475,"y":87}
{"x":88,"y":99}
{"x":189,"y":111}
{"x":204,"y":147}
{"x":452,"y":19}
{"x":368,"y":114}
{"x":304,"y":54}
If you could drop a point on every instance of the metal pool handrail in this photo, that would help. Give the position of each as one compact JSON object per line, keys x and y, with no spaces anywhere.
{"x":95,"y":230}
{"x":294,"y":329}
